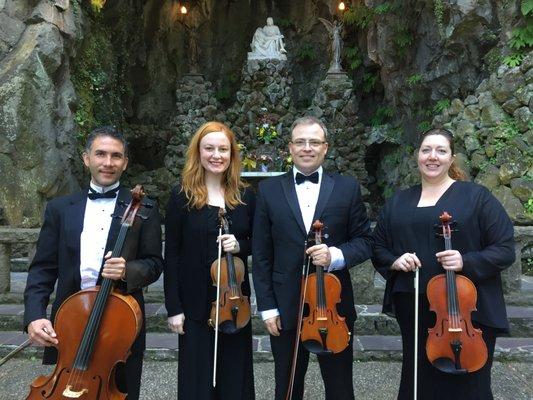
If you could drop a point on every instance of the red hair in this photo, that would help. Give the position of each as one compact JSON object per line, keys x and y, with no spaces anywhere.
{"x":193,"y":183}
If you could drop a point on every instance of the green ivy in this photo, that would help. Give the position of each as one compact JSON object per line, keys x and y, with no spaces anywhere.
{"x":424,"y":126}
{"x":353,"y":57}
{"x":438,"y":10}
{"x":414,"y":79}
{"x":441,"y":106}
{"x":306,"y":52}
{"x":98,"y":78}
{"x":402,"y":40}
{"x":513,"y":60}
{"x":529,"y":206}
{"x":382,"y":115}
{"x":522,"y":36}
{"x":369,"y":81}
{"x":359,"y":15}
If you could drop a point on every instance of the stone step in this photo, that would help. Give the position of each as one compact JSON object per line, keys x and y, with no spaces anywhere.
{"x":370,"y":320}
{"x":163,"y":347}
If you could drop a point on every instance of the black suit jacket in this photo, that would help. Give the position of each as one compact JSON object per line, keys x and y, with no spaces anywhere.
{"x":58,"y":257}
{"x":279,"y":236}
{"x":187,"y":269}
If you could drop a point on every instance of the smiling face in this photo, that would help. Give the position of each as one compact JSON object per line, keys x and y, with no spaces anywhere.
{"x":308,"y":147}
{"x":215,"y":153}
{"x":434,"y":158}
{"x":106,"y":160}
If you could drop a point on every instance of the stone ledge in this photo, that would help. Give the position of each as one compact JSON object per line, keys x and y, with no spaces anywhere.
{"x":163,"y":347}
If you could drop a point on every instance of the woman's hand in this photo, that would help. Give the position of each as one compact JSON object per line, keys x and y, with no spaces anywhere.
{"x":450,"y":260}
{"x":229,"y":243}
{"x":175,"y":323}
{"x":406,"y":262}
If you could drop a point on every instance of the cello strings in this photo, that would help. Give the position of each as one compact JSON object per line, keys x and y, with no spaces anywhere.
{"x":87,"y":343}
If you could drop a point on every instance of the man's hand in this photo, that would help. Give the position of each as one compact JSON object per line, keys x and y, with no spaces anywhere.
{"x":114,"y":268}
{"x":319,"y":255}
{"x":41,"y":332}
{"x":273,"y":325}
{"x":175,"y":323}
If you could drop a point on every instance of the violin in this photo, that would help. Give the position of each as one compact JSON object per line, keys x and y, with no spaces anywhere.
{"x":453,"y":345}
{"x":96,"y":328}
{"x":233,"y":307}
{"x":323,"y":330}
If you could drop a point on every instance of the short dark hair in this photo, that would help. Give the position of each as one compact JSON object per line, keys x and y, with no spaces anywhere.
{"x":110,"y":131}
{"x":310,"y":120}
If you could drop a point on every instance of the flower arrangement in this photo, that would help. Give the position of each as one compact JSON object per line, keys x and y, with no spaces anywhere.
{"x":266,"y":129}
{"x":268,"y":153}
{"x":280,"y":161}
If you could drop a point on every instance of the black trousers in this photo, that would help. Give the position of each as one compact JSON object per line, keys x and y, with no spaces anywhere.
{"x":433,"y":384}
{"x":235,"y":379}
{"x":336,"y":369}
{"x":128,"y":376}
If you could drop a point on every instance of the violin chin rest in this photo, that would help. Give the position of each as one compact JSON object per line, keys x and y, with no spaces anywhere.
{"x":316,"y":347}
{"x":447,"y":365}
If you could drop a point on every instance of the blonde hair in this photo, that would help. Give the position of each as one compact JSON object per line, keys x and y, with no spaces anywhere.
{"x":193,"y":181}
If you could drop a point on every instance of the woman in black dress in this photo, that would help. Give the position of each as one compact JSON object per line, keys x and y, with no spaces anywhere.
{"x":210,"y":181}
{"x":483,"y":246}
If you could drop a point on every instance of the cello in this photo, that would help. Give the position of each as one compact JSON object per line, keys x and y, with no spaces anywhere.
{"x":96,"y":328}
{"x":323,"y":330}
{"x":453,"y":345}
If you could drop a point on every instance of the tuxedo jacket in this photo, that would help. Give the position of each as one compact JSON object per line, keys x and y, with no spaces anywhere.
{"x":187,"y":270}
{"x":57,"y":258}
{"x":279,"y":236}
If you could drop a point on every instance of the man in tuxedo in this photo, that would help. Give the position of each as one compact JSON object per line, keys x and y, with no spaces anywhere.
{"x":75,"y":245}
{"x":286,"y":207}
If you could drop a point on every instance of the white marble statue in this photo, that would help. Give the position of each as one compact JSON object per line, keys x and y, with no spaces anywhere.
{"x":267,"y":43}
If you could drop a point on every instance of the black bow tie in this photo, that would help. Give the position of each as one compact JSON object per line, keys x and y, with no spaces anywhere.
{"x":110,"y":194}
{"x":301,"y":178}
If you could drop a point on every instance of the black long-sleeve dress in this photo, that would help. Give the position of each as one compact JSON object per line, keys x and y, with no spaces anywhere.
{"x":483,"y":234}
{"x":190,"y":249}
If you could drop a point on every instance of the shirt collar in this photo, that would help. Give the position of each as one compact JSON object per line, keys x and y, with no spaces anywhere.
{"x":103,"y":189}
{"x":319,"y":170}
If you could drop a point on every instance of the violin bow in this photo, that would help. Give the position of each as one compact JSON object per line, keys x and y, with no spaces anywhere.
{"x":218,"y":305}
{"x":417,"y":291}
{"x":13,"y":352}
{"x":303,"y":288}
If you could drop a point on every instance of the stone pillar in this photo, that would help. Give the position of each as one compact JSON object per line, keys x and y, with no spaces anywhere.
{"x":5,"y":267}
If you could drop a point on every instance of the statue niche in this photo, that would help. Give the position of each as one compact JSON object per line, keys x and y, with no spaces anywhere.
{"x":267,"y":43}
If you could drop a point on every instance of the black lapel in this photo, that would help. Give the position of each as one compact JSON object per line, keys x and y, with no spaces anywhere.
{"x":287,"y":183}
{"x":326,"y":188}
{"x":75,"y":215}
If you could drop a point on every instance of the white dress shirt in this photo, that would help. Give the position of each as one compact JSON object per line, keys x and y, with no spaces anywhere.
{"x":307,"y":193}
{"x":93,"y":239}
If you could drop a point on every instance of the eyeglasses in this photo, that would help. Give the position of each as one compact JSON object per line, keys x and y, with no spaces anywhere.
{"x":313,"y":143}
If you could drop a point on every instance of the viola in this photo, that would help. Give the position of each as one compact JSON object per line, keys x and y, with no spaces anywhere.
{"x":453,"y":345}
{"x":323,"y":331}
{"x":96,"y":328}
{"x":233,"y":306}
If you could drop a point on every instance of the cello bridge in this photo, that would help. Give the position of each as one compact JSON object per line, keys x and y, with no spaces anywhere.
{"x":455,"y":329}
{"x":322,"y":318}
{"x":69,"y":393}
